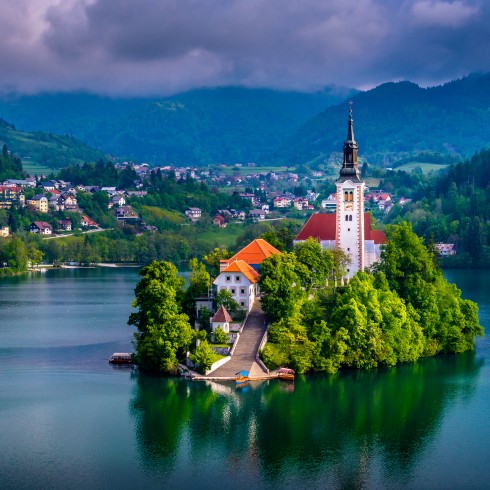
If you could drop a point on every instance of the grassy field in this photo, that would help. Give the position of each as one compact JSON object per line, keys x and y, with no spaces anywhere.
{"x":33,"y":168}
{"x":222,"y":237}
{"x":425,"y":167}
{"x":372,"y":181}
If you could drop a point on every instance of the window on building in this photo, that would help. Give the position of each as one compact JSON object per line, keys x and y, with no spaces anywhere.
{"x":242,"y":291}
{"x":233,"y":290}
{"x":346,"y":217}
{"x":348,"y":229}
{"x":242,"y":303}
{"x":228,"y":278}
{"x":350,"y":217}
{"x":237,"y":278}
{"x":348,"y":195}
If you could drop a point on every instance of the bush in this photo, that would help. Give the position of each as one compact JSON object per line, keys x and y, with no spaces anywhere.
{"x":204,"y":356}
{"x":220,"y":336}
{"x":273,"y":356}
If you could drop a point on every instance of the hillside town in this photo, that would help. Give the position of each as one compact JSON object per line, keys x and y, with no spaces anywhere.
{"x":261,"y":188}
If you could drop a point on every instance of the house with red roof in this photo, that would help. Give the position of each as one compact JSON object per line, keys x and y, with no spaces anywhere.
{"x":253,"y":254}
{"x":41,"y":227}
{"x":240,"y":279}
{"x":221,"y":319}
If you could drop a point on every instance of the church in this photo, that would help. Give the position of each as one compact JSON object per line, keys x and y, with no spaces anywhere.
{"x":350,"y":227}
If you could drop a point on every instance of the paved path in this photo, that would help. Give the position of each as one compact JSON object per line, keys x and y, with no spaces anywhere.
{"x":247,"y":346}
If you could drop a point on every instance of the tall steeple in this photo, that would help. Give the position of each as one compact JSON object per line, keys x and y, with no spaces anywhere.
{"x":350,"y":170}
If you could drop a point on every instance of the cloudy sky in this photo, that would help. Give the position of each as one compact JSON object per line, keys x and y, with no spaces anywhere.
{"x":158,"y":47}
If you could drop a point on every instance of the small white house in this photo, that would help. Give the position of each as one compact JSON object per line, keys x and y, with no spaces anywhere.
{"x":221,"y":319}
{"x":41,"y":227}
{"x":241,"y":280}
{"x":193,"y":213}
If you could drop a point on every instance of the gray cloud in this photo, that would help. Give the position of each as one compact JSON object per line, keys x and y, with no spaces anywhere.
{"x":162,"y":46}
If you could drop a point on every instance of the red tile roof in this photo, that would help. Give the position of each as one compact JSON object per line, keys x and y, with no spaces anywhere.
{"x":221,"y":315}
{"x":319,"y":226}
{"x":241,"y":266}
{"x":322,"y":227}
{"x":255,"y":252}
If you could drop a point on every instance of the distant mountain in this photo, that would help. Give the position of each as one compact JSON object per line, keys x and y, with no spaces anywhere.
{"x":228,"y":124}
{"x":45,"y":149}
{"x":394,"y":120}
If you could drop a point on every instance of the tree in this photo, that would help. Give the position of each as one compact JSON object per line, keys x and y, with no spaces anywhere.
{"x":35,"y":255}
{"x":213,"y":259}
{"x":475,"y":239}
{"x":318,"y":263}
{"x":163,"y":332}
{"x":411,"y":271}
{"x":225,"y":298}
{"x":16,"y":255}
{"x":199,"y":280}
{"x":220,"y":336}
{"x":280,"y":285}
{"x":204,"y":356}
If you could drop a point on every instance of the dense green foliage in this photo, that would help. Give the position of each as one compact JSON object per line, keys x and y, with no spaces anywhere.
{"x":397,"y":119}
{"x":102,"y":173}
{"x":45,"y":149}
{"x":204,"y":356}
{"x":228,"y":124}
{"x":404,"y":310}
{"x":452,"y":207}
{"x":163,"y":331}
{"x":10,"y":165}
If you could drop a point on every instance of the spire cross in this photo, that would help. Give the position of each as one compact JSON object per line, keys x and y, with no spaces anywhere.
{"x":350,"y":107}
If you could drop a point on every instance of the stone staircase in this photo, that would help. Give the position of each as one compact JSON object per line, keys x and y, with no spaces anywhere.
{"x":246,"y":348}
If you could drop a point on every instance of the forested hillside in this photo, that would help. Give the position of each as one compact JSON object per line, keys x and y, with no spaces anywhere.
{"x":229,"y":124}
{"x":454,"y":207}
{"x":394,"y":120}
{"x":48,"y":150}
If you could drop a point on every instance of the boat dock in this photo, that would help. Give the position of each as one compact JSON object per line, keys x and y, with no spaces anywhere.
{"x":244,"y":357}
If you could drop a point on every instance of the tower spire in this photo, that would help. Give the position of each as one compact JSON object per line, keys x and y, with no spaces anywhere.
{"x":350,"y":170}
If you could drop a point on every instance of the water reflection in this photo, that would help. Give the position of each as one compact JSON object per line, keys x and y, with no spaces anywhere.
{"x":352,"y":430}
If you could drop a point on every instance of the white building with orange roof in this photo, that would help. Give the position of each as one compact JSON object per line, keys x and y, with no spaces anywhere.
{"x":240,"y":279}
{"x":253,"y":254}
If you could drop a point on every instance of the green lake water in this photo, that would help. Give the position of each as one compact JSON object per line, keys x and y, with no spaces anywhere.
{"x":70,"y":420}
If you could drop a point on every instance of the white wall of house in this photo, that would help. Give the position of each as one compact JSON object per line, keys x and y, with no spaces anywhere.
{"x":242,"y":290}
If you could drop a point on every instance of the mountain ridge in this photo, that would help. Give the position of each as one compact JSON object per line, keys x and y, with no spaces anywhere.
{"x":399,"y":118}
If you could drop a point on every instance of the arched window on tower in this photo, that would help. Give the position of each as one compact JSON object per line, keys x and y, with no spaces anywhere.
{"x":350,"y":217}
{"x":346,"y":217}
{"x":348,"y":195}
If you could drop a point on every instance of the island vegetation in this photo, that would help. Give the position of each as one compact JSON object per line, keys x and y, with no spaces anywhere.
{"x":402,"y":310}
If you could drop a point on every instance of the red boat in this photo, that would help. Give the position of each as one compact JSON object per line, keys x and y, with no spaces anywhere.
{"x":121,"y":358}
{"x":285,"y":373}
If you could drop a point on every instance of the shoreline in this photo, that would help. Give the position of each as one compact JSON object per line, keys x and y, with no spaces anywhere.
{"x":45,"y":267}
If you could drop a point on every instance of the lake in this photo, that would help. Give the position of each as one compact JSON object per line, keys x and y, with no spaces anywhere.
{"x":68,"y":419}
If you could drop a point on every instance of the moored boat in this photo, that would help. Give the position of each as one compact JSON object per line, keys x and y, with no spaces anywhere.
{"x":285,"y":373}
{"x":241,"y":378}
{"x":121,"y":358}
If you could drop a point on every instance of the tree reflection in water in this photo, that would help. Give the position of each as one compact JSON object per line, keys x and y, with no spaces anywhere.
{"x":354,"y":429}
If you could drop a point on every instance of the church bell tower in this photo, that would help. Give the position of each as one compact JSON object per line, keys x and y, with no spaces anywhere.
{"x":349,"y":228}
